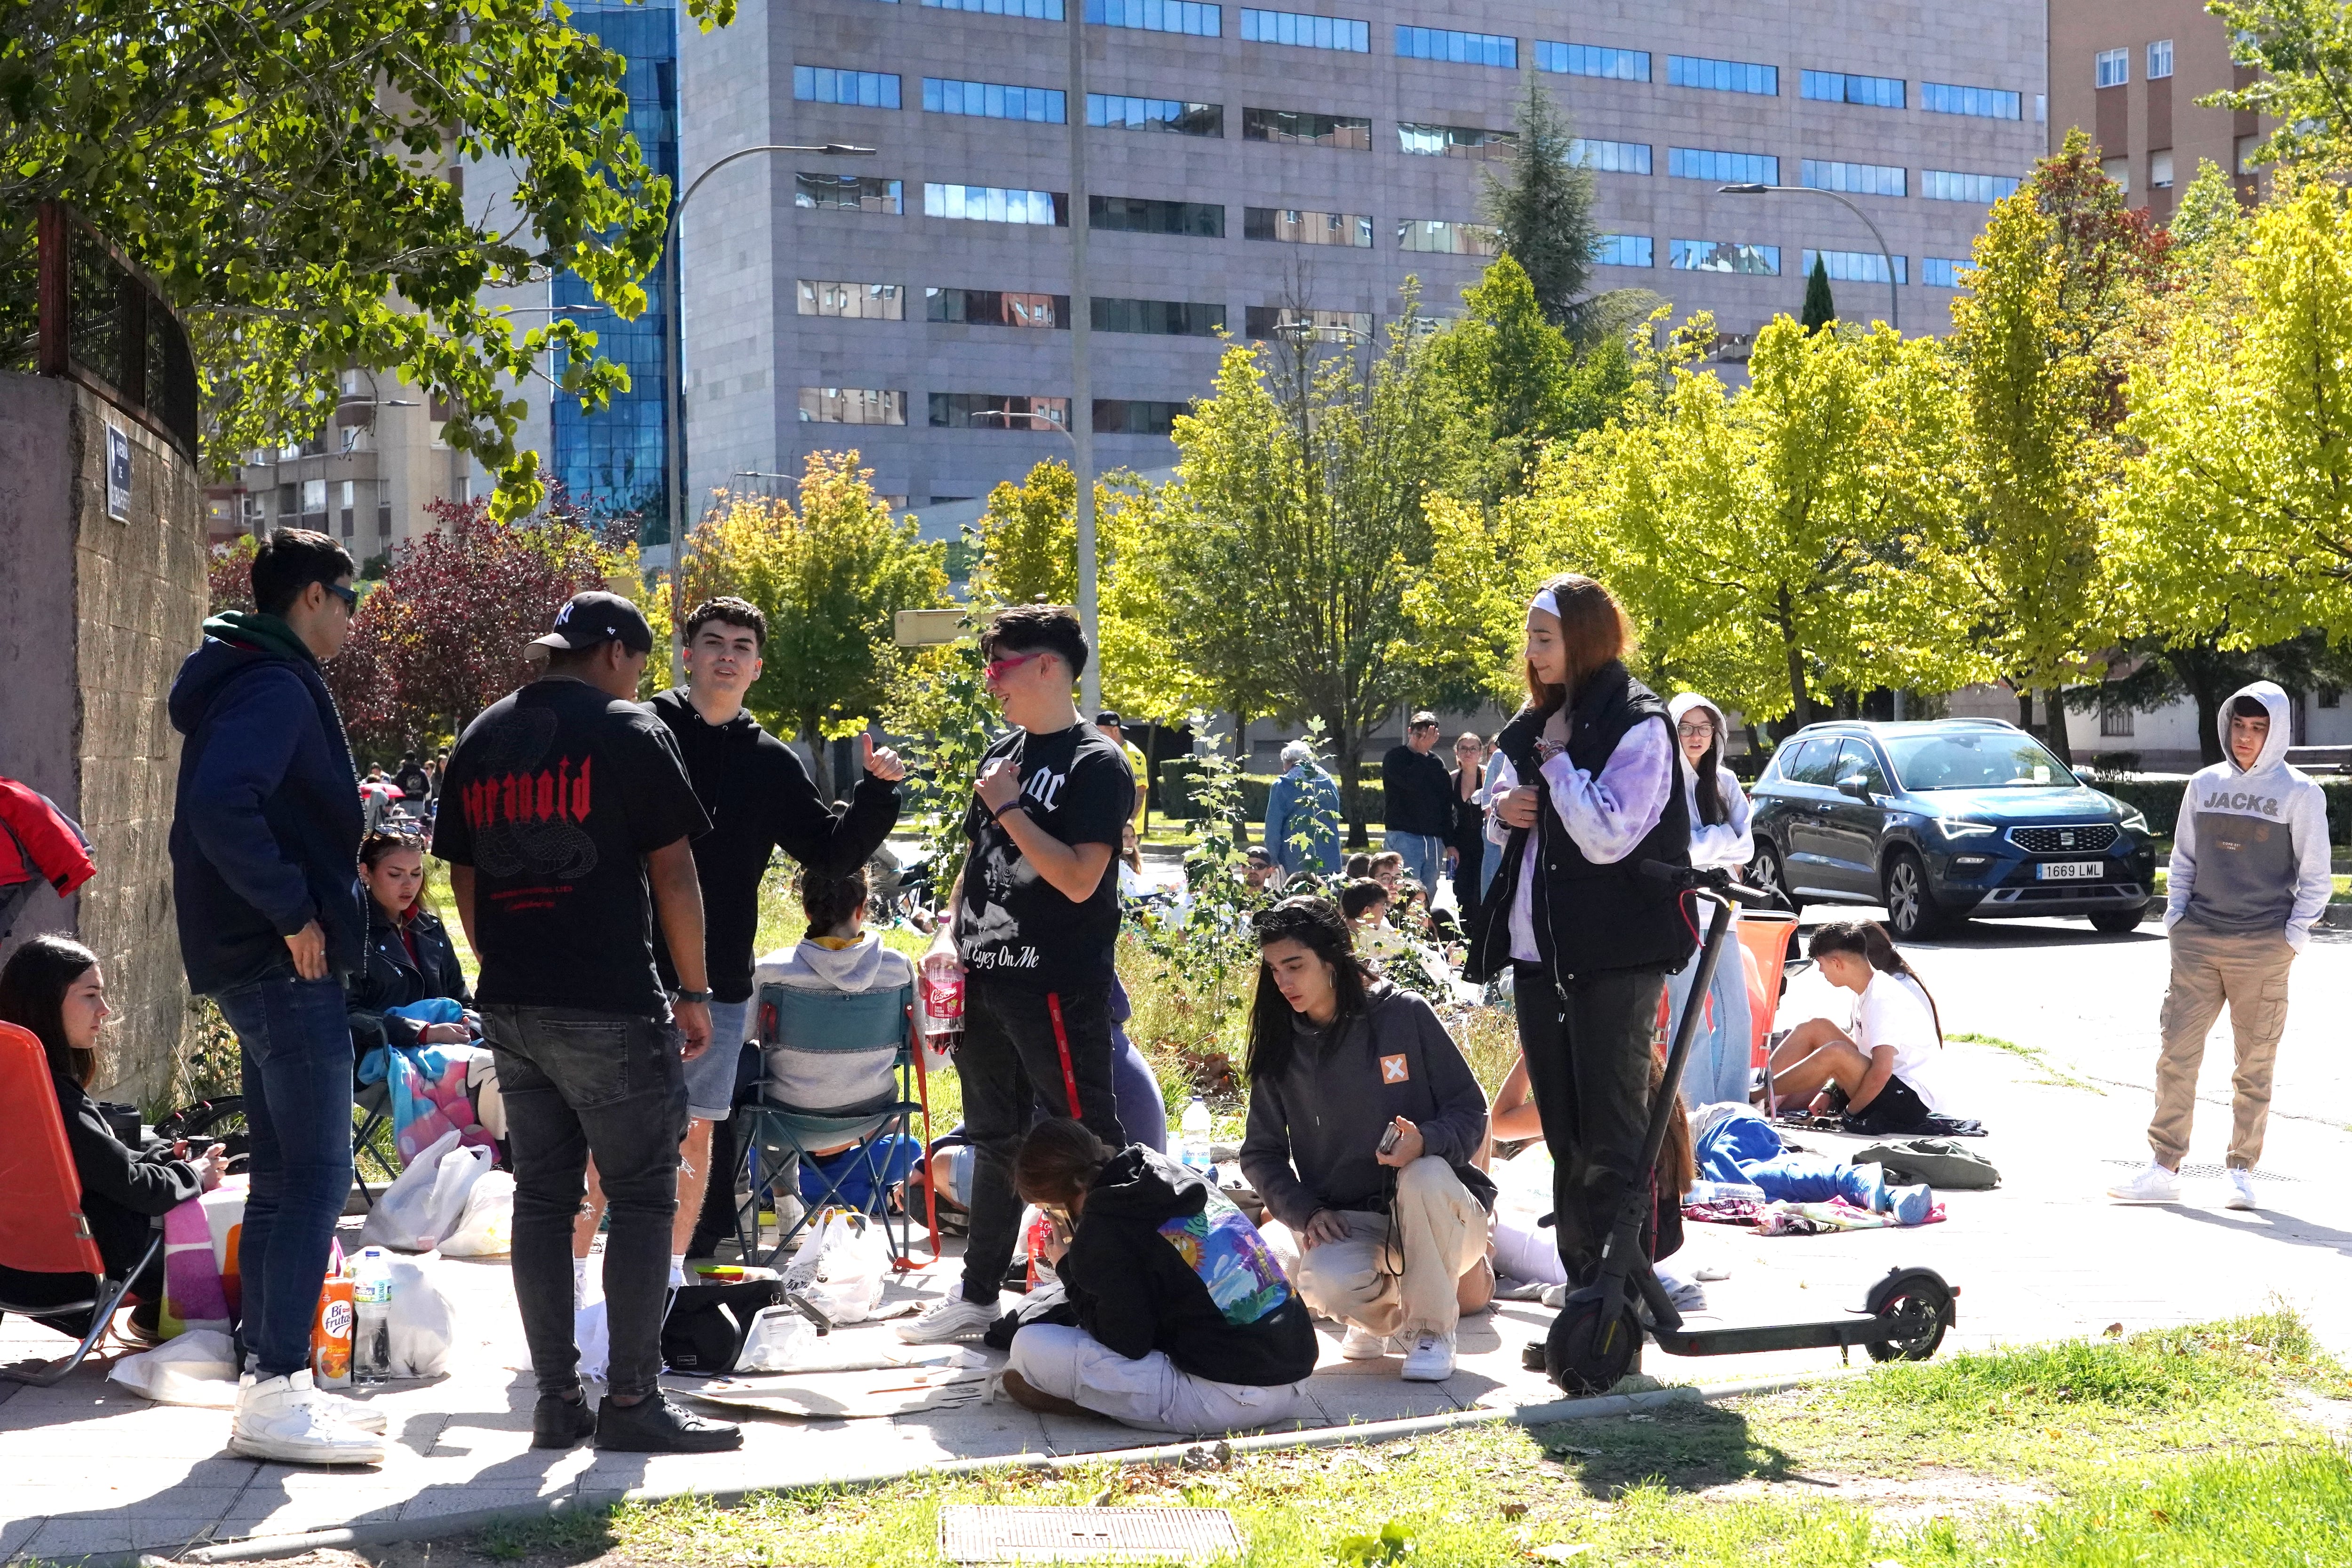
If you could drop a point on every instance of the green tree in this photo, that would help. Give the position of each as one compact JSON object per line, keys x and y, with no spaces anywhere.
{"x":287,"y":170}
{"x":1542,"y":207}
{"x":831,"y":575}
{"x":1028,"y":540}
{"x":2295,"y":58}
{"x":1820,"y":307}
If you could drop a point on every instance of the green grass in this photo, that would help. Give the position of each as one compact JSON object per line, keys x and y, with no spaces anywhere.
{"x":2051,"y":1073}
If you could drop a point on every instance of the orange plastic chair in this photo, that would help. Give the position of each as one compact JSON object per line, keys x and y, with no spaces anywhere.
{"x":42,"y":1230}
{"x":1766,"y":939}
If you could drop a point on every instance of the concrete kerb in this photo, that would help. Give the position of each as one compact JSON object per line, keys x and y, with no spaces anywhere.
{"x":442,"y":1526}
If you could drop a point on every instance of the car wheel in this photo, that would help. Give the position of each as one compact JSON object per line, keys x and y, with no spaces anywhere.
{"x":1764,"y":874}
{"x":2114,"y":922}
{"x":1911,"y":910}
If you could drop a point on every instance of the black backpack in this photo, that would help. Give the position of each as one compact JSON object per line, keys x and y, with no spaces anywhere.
{"x":706,"y":1325}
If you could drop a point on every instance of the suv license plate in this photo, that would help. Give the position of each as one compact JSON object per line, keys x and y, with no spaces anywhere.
{"x":2070,"y":870}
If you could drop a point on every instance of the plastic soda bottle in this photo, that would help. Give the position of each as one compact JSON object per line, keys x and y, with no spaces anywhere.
{"x":941,"y":993}
{"x":1192,"y":1132}
{"x":331,"y":1335}
{"x":371,"y":1316}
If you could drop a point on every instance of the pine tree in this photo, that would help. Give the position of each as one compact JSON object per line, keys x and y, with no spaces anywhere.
{"x":1821,"y":309}
{"x":1543,"y":209}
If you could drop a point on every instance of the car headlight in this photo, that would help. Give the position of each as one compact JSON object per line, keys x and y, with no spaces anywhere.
{"x":1963,"y":827}
{"x":2135,"y":821}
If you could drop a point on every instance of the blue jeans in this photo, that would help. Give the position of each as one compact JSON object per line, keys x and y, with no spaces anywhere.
{"x":1721,"y":1066}
{"x":711,"y":1077}
{"x":1424,"y":856}
{"x":294,"y":1039}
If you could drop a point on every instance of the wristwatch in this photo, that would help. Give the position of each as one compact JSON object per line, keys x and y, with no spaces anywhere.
{"x":700,"y":997}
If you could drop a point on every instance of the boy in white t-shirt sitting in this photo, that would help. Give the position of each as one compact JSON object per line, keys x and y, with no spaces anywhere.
{"x":1885,"y":1060}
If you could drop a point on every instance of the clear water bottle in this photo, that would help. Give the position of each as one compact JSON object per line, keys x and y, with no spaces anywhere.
{"x":371,"y":1310}
{"x":1192,"y":1133}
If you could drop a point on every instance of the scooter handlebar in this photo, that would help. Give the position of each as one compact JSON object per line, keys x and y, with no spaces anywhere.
{"x":1704,"y":880}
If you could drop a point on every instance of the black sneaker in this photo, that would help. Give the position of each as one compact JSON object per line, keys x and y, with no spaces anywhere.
{"x":559,"y":1422}
{"x":654,"y":1426}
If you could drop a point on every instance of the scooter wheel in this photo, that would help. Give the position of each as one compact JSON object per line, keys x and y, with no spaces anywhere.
{"x":1919,"y":1309}
{"x":1590,"y":1346}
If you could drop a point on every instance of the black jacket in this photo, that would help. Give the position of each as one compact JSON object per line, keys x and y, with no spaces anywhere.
{"x":759,"y":798}
{"x":265,"y":825}
{"x":1160,"y":1262}
{"x":387,"y":977}
{"x":1590,"y":918}
{"x":122,"y":1190}
{"x":1414,"y":790}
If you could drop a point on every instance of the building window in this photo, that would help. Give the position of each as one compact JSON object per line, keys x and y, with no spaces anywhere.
{"x":992,"y":307}
{"x":1591,"y":59}
{"x":1035,"y":10}
{"x":1857,"y":179}
{"x":993,"y":100}
{"x":1984,"y":103}
{"x":1723,"y":76}
{"x":1297,"y":129}
{"x":1158,"y":318}
{"x":348,"y":511}
{"x":1132,"y":416}
{"x":864,"y":302}
{"x":866,"y":89}
{"x":1158,"y":16}
{"x":1723,"y":168}
{"x":2248,"y":150}
{"x":1610,"y":157}
{"x":852,"y":406}
{"x":1723,"y":256}
{"x":1457,"y":47}
{"x":996,"y":203}
{"x":383,"y":512}
{"x":2119,"y":171}
{"x":2114,"y":719}
{"x":1264,"y":321}
{"x":1296,"y":225}
{"x":997,"y":411}
{"x":1454,"y":142}
{"x":1623,"y":250}
{"x":2331,"y":697}
{"x":1446,"y":238}
{"x":2112,"y":68}
{"x":1307,"y":32}
{"x":1139,"y":214}
{"x":2159,"y":59}
{"x":1856,"y":266}
{"x":1116,"y":112}
{"x":314,"y":504}
{"x":1941,"y":271}
{"x":848,"y":193}
{"x":1982,"y":189}
{"x":1845,"y":87}
{"x":2159,"y":169}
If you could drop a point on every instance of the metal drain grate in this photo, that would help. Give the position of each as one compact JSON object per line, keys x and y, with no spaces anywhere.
{"x":2201,"y":1172}
{"x":980,"y":1534}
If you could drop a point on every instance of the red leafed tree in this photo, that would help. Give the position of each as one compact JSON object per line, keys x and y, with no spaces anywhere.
{"x":442,"y":637}
{"x":231,"y":571}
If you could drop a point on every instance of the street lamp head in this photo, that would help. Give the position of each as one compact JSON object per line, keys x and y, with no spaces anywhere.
{"x":843,"y":150}
{"x":1750,"y":188}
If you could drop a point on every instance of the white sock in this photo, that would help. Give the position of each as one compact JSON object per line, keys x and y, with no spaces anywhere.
{"x":677,"y":1270}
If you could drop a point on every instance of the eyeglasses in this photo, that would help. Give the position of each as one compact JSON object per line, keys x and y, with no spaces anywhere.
{"x":1698,"y":731}
{"x":998,"y":669}
{"x":350,"y":597}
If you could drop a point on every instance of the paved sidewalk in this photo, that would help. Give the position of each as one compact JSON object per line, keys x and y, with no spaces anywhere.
{"x":89,"y":1468}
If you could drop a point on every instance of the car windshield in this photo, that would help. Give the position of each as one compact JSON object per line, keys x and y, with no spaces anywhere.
{"x":1979,"y":759}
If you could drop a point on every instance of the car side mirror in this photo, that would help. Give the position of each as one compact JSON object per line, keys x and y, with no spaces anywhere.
{"x":1855,"y":786}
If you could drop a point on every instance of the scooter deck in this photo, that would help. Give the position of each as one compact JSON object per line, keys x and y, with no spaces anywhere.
{"x":1862,"y":1329}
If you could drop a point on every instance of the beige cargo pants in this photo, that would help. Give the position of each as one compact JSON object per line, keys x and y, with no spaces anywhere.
{"x":1440,"y":1232}
{"x":2248,"y":971}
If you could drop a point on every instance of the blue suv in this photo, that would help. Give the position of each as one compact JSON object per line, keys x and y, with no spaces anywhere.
{"x":1942,"y":820}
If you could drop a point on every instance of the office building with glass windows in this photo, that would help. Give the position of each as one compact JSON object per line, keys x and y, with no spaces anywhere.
{"x":1248,"y":168}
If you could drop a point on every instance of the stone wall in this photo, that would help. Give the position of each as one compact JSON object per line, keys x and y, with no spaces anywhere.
{"x":95,"y":617}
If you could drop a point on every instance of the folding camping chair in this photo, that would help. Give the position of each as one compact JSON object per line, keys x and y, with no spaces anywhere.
{"x":42,"y":1230}
{"x":828,"y":1043}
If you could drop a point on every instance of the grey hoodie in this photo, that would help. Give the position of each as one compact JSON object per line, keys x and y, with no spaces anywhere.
{"x":1727,"y":844}
{"x":2250,"y":851}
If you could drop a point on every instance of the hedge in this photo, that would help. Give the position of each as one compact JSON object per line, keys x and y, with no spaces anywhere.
{"x":2160,"y":799}
{"x":1174,"y":795}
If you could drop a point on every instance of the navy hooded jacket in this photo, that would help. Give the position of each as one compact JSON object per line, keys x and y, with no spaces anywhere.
{"x":266,"y":829}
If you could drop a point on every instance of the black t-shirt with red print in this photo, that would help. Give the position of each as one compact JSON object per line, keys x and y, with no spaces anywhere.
{"x":554,"y":796}
{"x":1012,"y":926}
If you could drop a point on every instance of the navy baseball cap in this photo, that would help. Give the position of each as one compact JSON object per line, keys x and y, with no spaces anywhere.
{"x":593,"y":619}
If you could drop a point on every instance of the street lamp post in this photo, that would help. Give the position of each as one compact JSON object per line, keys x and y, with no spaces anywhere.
{"x":673,"y":241}
{"x":1894,"y":301}
{"x":1081,"y":430}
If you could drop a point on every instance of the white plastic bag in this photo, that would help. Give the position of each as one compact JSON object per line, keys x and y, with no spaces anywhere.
{"x":198,"y":1368}
{"x":486,"y":1228}
{"x":423,"y":1322}
{"x":590,"y":1332}
{"x":429,"y":1199}
{"x":841,"y":1270}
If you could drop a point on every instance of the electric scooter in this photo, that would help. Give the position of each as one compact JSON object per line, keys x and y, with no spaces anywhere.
{"x":1597,"y":1338}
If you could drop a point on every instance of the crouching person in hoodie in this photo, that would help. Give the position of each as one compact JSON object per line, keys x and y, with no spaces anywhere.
{"x":1387,"y":1234}
{"x":1185,"y":1320}
{"x":2249,"y":879}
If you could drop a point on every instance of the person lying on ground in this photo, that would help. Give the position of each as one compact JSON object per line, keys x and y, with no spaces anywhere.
{"x":1184,"y":1322}
{"x":1364,"y":1120}
{"x":1522,"y":1249}
{"x":53,"y":988}
{"x":406,"y":955}
{"x":1883,"y":1060}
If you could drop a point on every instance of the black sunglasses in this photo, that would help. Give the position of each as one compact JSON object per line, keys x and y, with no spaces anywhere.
{"x":350,"y":597}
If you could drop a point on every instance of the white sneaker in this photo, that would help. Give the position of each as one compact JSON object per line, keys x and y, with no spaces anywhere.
{"x":283,"y":1418}
{"x":2241,"y":1191}
{"x":349,"y":1412}
{"x":2154,"y":1186}
{"x":1363,"y":1345}
{"x":948,"y":1320}
{"x":1431,"y":1359}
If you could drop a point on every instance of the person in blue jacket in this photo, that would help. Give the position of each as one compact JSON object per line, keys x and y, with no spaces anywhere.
{"x":265,"y":833}
{"x":1304,"y":804}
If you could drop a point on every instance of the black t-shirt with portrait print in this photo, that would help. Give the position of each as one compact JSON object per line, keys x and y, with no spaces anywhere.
{"x":1012,"y":926}
{"x":554,"y":796}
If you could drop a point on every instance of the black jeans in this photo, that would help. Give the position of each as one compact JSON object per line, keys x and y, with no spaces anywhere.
{"x":578,"y":1083}
{"x":1589,"y":1070}
{"x":1010,"y":1055}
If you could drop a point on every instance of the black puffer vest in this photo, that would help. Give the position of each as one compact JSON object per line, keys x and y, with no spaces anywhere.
{"x":1588,"y":919}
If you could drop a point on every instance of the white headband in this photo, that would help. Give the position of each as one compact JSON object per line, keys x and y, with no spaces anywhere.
{"x":1547,"y":604}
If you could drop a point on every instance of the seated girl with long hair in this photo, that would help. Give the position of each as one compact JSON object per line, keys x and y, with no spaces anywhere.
{"x":408,"y":956}
{"x":1883,"y":1060}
